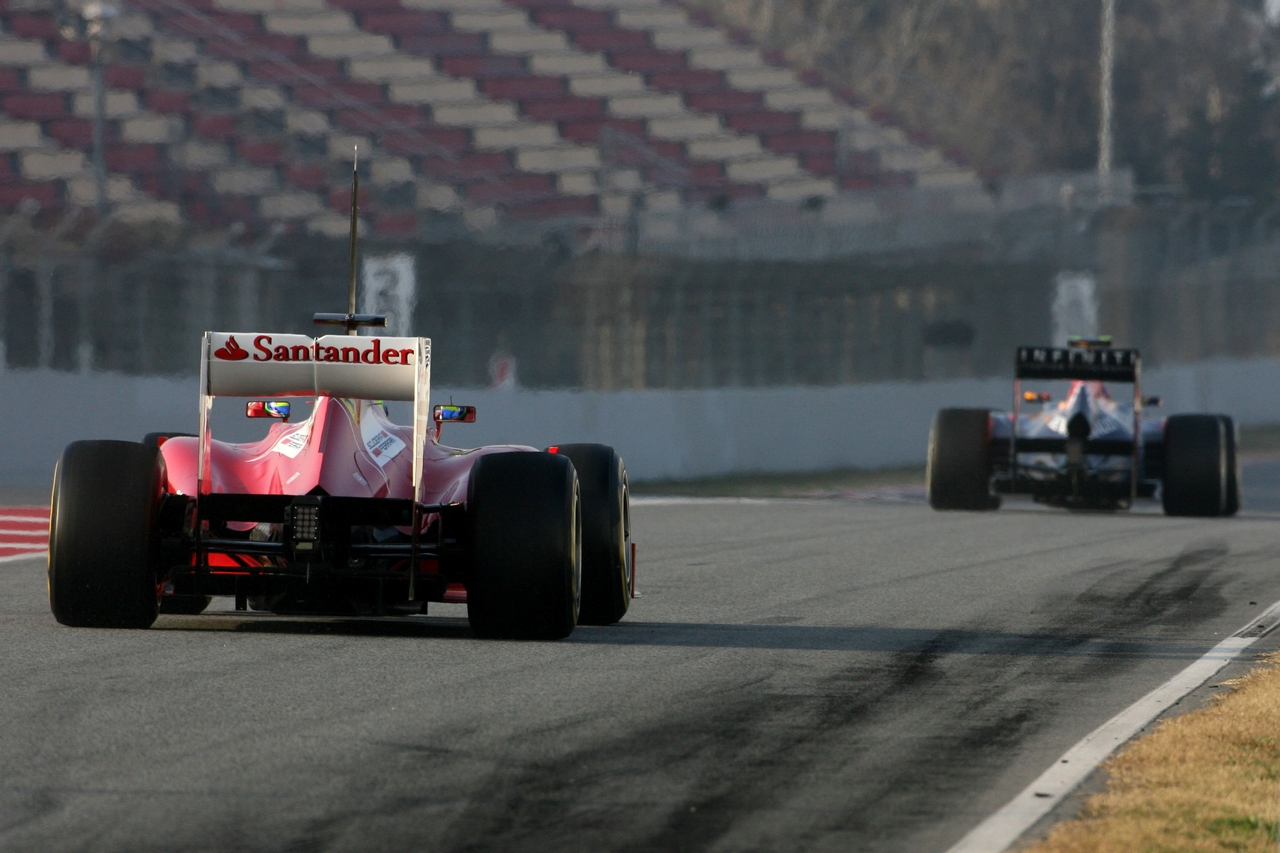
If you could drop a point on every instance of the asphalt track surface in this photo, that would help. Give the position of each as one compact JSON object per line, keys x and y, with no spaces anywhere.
{"x":828,"y":675}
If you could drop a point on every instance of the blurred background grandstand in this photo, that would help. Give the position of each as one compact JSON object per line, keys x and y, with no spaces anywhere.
{"x":635,"y":193}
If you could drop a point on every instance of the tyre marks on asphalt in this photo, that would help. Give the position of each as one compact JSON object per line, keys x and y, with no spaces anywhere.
{"x":775,"y":763}
{"x":1003,"y":828}
{"x":24,"y":532}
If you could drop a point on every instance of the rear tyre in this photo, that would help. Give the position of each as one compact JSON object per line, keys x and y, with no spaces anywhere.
{"x":959,"y":473}
{"x":1196,"y":478}
{"x":606,"y":532}
{"x":1234,"y":472}
{"x":526,"y":542}
{"x":103,"y":542}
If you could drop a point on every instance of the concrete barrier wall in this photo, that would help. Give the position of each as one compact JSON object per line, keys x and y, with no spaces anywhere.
{"x":661,"y":434}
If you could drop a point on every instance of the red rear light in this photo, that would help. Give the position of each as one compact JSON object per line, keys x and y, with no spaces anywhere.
{"x":555,"y":449}
{"x":161,"y":440}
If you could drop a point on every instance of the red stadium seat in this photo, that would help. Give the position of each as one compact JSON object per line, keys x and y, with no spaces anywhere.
{"x":526,"y":86}
{"x":336,"y":95}
{"x":763,"y":121}
{"x":542,"y":4}
{"x":134,"y":159}
{"x":587,"y":132}
{"x":444,"y":44}
{"x":512,"y":187}
{"x":215,"y":126}
{"x":125,"y":76}
{"x":610,"y":39}
{"x":38,"y":107}
{"x":482,"y":65}
{"x":403,"y":22}
{"x":10,"y":80}
{"x":647,"y":60}
{"x":455,"y":139}
{"x":402,"y":114}
{"x":43,"y":27}
{"x":805,"y":142}
{"x":563,"y":109}
{"x":260,"y":152}
{"x":74,"y":133}
{"x":363,"y":6}
{"x":245,"y":25}
{"x":340,"y":199}
{"x":74,"y":52}
{"x":398,"y":224}
{"x":288,"y":47}
{"x":572,"y":19}
{"x":167,"y":101}
{"x":706,"y":172}
{"x":688,"y":80}
{"x":473,"y":163}
{"x":329,"y":70}
{"x":725,"y":101}
{"x":13,"y":193}
{"x":819,"y":164}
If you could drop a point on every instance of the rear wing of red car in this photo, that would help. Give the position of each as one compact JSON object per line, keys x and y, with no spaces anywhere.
{"x":252,"y":364}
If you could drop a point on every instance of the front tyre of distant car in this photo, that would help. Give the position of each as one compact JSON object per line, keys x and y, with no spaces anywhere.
{"x":606,"y":532}
{"x":103,"y":537}
{"x":526,"y":546}
{"x":958,"y":475}
{"x":1198,"y":466}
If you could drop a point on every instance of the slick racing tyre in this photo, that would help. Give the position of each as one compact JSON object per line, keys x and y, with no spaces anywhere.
{"x":1196,"y":466}
{"x":1232,"y":434}
{"x":606,"y":532}
{"x":958,"y":475}
{"x":526,"y":546}
{"x":103,"y":542}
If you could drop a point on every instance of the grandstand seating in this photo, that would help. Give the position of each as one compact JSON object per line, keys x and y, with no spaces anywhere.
{"x":225,"y":110}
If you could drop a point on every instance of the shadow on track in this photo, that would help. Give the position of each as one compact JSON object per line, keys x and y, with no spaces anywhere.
{"x":768,"y":636}
{"x":319,"y":625}
{"x":880,"y":639}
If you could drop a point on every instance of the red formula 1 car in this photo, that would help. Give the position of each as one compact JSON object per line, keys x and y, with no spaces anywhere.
{"x":342,"y":512}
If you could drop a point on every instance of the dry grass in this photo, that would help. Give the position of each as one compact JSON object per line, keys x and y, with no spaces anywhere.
{"x":1209,"y":780}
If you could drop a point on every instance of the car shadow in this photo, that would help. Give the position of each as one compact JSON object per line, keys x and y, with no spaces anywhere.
{"x":768,"y":634}
{"x":342,"y":626}
{"x":883,"y":639}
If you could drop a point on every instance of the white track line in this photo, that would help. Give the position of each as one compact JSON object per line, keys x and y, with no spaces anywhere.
{"x":4,"y":533}
{"x":1000,"y":830}
{"x":13,"y":557}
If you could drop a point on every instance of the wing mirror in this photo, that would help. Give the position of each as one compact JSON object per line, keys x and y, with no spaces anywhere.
{"x":267,"y":409}
{"x":1036,"y":396}
{"x":454,"y":414}
{"x":1150,"y":401}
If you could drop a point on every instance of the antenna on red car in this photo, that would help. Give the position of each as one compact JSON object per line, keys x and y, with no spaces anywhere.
{"x":351,"y":320}
{"x":355,"y":225}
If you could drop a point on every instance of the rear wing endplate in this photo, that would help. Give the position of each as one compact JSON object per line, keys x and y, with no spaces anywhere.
{"x":1101,"y":364}
{"x":249,"y":364}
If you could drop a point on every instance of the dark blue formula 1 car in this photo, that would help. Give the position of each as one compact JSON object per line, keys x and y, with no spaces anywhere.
{"x":1087,"y":451}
